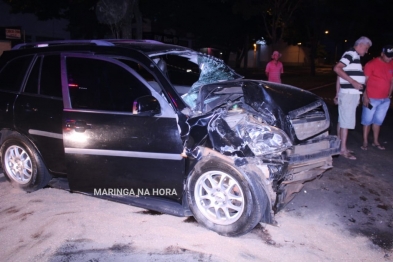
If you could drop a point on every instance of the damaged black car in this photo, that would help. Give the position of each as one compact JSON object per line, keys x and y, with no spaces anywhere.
{"x":161,"y":127}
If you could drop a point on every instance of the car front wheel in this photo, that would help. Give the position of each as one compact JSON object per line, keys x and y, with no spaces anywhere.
{"x":22,"y":164}
{"x":224,"y":199}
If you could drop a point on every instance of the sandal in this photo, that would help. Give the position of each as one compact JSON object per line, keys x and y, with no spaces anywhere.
{"x":364,"y":147}
{"x":348,"y":155}
{"x":378,"y":146}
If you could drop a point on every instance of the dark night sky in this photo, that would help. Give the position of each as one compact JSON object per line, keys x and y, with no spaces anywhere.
{"x":214,"y":20}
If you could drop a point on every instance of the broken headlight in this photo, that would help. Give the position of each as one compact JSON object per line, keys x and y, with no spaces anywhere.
{"x":262,"y":138}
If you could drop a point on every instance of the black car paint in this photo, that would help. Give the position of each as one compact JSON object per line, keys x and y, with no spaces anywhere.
{"x":34,"y":115}
{"x":88,"y":171}
{"x":102,"y":162}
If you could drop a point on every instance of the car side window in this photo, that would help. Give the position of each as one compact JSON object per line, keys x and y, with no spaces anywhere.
{"x":102,"y":85}
{"x":32,"y":82}
{"x":146,"y":75}
{"x":45,"y":77}
{"x":13,"y":73}
{"x":50,"y":82}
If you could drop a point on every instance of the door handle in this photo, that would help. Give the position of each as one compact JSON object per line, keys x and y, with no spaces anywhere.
{"x":78,"y":126}
{"x":28,"y":108}
{"x":81,"y":126}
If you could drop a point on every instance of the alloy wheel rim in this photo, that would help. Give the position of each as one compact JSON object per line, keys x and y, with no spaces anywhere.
{"x":18,"y":165}
{"x":219,"y":197}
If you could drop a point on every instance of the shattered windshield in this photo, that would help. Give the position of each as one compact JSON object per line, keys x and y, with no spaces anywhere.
{"x":189,"y":71}
{"x":212,"y":70}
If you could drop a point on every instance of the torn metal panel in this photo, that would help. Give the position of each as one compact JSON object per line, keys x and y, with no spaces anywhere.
{"x":241,"y":134}
{"x":257,"y":97}
{"x":322,"y":146}
{"x":275,"y":131}
{"x":249,"y":141}
{"x":310,"y":119}
{"x":224,"y":139}
{"x":286,"y":193}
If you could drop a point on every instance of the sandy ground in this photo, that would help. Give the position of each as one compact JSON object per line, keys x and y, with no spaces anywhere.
{"x":347,"y":215}
{"x":55,"y":225}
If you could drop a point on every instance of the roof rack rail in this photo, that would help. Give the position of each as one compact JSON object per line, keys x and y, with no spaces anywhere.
{"x":133,"y":41}
{"x":62,"y":42}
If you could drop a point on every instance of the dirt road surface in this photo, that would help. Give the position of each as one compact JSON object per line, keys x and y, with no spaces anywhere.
{"x":346,"y":215}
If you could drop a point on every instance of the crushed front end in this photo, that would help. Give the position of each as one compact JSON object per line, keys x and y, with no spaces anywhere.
{"x":259,"y":130}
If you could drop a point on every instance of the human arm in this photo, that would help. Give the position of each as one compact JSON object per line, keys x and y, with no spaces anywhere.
{"x":267,"y":70}
{"x":337,"y":90}
{"x":391,"y":89}
{"x":368,"y":71}
{"x":339,"y":69}
{"x":366,"y":99}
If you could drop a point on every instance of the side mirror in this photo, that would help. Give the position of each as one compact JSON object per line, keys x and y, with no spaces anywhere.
{"x":146,"y":106}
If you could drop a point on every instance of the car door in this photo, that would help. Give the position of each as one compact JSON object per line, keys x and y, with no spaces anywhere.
{"x":12,"y":75}
{"x":38,"y":111}
{"x":108,"y":148}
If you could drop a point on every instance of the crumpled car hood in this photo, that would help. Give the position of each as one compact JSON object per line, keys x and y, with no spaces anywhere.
{"x":286,"y":97}
{"x":276,"y":104}
{"x":257,"y":93}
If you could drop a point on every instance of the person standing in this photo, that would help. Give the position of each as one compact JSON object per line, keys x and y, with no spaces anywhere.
{"x":376,"y":98}
{"x":352,"y":79}
{"x":274,"y":68}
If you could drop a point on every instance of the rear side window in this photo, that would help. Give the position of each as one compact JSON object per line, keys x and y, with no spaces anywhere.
{"x":13,"y":73}
{"x":33,"y":80}
{"x":102,"y":85}
{"x":45,"y":77}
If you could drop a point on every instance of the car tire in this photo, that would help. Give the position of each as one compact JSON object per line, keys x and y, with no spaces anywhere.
{"x":22,"y":165}
{"x":225,"y":200}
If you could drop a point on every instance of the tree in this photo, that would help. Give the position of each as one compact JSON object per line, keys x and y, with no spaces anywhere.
{"x":119,"y":14}
{"x":271,"y":17}
{"x":277,"y":15}
{"x":112,"y":12}
{"x":132,"y":13}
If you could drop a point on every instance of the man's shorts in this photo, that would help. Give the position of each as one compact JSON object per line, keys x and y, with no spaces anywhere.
{"x":347,"y":104}
{"x":377,"y":114}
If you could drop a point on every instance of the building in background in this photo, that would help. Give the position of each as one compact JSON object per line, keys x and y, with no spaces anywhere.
{"x":21,"y":28}
{"x":261,"y":54}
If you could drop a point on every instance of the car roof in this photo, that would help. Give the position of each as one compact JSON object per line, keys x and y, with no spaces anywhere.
{"x":149,"y":47}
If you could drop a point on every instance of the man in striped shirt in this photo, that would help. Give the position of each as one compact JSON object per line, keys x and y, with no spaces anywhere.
{"x":352,"y":80}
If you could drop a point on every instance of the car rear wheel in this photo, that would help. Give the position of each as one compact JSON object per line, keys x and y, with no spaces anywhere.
{"x":224,"y":199}
{"x":22,"y":164}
